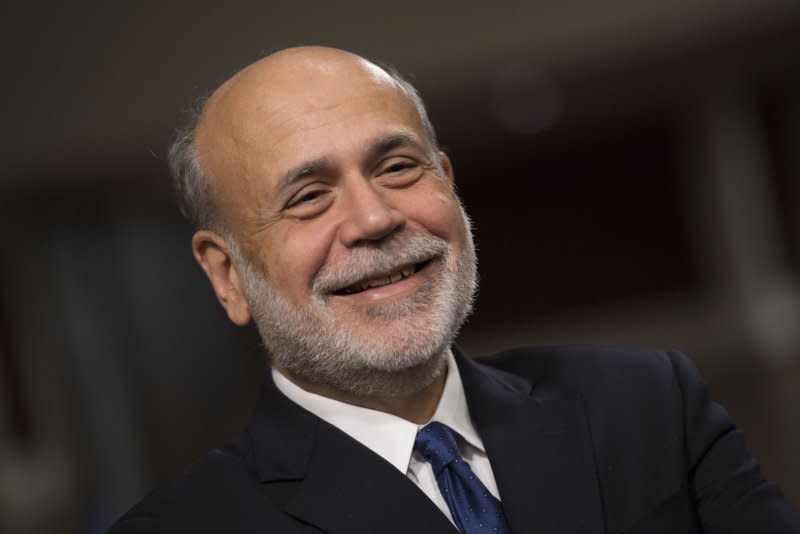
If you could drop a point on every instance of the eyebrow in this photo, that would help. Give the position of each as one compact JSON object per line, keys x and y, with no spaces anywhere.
{"x":307,"y":168}
{"x":374,"y":150}
{"x":389,"y":142}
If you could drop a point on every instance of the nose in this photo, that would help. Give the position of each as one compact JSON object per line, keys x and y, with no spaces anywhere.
{"x":368,"y":215}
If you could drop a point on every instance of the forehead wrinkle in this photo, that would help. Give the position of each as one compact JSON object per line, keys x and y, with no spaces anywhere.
{"x":307,"y":123}
{"x":312,"y":113}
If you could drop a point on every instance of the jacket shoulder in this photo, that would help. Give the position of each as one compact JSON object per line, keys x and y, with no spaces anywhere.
{"x":219,"y":493}
{"x":588,"y":371}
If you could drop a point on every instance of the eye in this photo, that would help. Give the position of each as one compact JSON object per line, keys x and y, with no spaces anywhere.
{"x":306,"y":196}
{"x":399,"y":165}
{"x":309,"y":202}
{"x":399,"y":171}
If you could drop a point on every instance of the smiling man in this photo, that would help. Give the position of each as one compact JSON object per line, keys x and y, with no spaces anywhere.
{"x":336,"y":228}
{"x":327,"y":215}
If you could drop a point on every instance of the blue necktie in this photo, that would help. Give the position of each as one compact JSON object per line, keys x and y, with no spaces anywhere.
{"x":473,"y":508}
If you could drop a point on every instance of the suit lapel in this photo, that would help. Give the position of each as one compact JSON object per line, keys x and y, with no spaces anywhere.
{"x":349,"y":489}
{"x":539,"y":449}
{"x":344,"y":487}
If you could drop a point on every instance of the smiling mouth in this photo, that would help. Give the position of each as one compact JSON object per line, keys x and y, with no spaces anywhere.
{"x":383,"y":279}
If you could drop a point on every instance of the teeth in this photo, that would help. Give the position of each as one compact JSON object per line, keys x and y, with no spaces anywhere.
{"x":376,"y":282}
{"x":405,"y":272}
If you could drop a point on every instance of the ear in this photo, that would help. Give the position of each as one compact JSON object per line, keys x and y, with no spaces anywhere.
{"x":212,"y":253}
{"x":447,"y":167}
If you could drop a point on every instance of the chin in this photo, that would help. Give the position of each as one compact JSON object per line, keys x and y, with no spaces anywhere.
{"x":388,"y":376}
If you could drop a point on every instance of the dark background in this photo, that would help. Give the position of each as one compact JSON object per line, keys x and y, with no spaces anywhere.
{"x":632,"y":168}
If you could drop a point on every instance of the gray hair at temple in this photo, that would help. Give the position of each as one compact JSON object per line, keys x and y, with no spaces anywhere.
{"x":192,"y":183}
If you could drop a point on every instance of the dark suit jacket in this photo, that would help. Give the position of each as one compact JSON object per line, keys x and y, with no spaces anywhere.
{"x":581,"y":440}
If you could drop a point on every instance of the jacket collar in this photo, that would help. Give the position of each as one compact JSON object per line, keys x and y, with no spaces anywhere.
{"x":539,"y":449}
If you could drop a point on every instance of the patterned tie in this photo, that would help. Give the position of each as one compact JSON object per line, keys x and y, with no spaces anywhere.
{"x":473,"y":508}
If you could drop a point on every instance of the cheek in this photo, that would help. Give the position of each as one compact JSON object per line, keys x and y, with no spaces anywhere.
{"x":438,"y":212}
{"x":295,"y":256}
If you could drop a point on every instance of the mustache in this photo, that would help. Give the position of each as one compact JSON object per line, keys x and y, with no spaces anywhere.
{"x":379,"y":258}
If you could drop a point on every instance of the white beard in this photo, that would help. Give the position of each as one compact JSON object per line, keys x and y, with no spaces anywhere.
{"x":408,"y":348}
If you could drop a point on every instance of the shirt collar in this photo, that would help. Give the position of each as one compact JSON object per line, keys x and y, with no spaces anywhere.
{"x":387,"y":435}
{"x":452,"y":409}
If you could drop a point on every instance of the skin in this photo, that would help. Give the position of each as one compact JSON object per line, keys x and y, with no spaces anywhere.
{"x":302,"y":175}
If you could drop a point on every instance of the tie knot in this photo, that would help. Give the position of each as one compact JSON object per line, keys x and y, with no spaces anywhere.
{"x":437,"y":443}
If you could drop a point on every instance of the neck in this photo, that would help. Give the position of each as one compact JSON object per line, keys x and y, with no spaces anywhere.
{"x":417,"y":406}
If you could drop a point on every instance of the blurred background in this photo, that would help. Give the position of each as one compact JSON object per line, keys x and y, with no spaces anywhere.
{"x":632,"y":168}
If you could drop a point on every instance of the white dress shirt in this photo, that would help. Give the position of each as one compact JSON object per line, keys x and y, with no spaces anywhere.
{"x":392,"y":437}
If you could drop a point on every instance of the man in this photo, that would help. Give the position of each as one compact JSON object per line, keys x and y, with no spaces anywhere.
{"x":327,"y":215}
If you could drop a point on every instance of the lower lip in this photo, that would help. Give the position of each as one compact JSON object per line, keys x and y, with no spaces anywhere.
{"x":393,"y":291}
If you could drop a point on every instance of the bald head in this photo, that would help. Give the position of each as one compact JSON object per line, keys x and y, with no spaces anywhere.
{"x":304,"y":73}
{"x":223,"y":141}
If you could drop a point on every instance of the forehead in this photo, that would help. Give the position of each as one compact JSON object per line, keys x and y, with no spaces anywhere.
{"x":265,"y":121}
{"x":314,"y":113}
